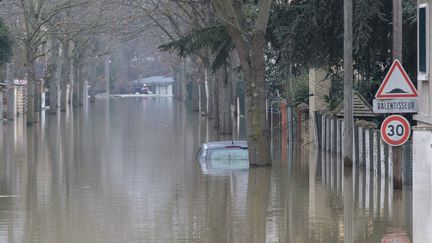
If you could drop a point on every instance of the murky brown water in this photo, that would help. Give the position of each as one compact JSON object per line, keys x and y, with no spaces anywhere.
{"x":124,"y":172}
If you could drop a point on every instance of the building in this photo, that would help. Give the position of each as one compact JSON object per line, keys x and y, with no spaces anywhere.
{"x":422,"y":133}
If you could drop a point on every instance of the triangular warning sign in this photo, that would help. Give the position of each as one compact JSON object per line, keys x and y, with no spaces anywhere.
{"x":396,"y":84}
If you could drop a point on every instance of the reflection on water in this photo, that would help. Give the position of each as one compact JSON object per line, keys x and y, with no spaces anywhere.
{"x":124,"y":171}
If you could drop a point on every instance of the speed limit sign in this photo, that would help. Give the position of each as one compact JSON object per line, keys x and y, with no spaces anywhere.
{"x":395,"y":130}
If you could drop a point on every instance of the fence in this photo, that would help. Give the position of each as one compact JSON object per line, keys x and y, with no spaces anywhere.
{"x":21,"y":100}
{"x":370,"y":152}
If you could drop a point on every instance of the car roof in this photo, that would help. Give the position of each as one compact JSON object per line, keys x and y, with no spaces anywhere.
{"x":223,"y":144}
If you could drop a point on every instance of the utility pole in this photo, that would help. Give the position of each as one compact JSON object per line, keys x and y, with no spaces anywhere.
{"x":348,"y":85}
{"x":11,"y":92}
{"x":397,"y":54}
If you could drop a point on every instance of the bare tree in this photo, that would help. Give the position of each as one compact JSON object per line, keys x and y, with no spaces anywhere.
{"x":32,"y":30}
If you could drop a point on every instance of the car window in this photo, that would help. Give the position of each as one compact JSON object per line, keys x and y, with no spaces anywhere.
{"x":227,"y":154}
{"x":227,"y":158}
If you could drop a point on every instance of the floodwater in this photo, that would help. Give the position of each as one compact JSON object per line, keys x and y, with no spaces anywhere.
{"x":124,"y":171}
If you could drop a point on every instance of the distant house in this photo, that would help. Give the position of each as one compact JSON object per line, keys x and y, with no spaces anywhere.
{"x":160,"y":85}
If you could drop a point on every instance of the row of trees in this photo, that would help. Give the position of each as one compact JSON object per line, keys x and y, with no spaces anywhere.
{"x":68,"y":42}
{"x":266,"y":44}
{"x":277,"y":42}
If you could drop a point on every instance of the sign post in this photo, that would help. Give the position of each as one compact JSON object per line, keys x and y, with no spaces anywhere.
{"x":396,"y":94}
{"x":395,"y":130}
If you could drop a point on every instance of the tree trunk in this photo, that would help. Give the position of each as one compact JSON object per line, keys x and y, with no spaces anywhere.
{"x":72,"y":82}
{"x":195,"y":95}
{"x":107,"y":75}
{"x":82,"y":84}
{"x":258,"y":134}
{"x":348,"y":85}
{"x":65,"y":75}
{"x":250,"y":49}
{"x":203,"y":97}
{"x":52,"y":77}
{"x":76,"y":83}
{"x":183,"y":82}
{"x":31,"y":84}
{"x":11,"y":92}
{"x":210,"y":100}
{"x":178,"y":69}
{"x":225,"y":94}
{"x":92,"y":80}
{"x":216,"y":86}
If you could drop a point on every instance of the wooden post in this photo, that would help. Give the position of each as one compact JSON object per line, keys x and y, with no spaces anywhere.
{"x":390,"y":161}
{"x":355,"y":157}
{"x":323,"y":132}
{"x":368,"y":142}
{"x":328,"y":135}
{"x":316,"y":118}
{"x":1,"y":103}
{"x":397,"y":54}
{"x":376,"y":151}
{"x":360,"y":151}
{"x":382,"y":158}
{"x":338,"y":137}
{"x":368,"y":154}
{"x":11,"y":92}
{"x":334,"y":135}
{"x":348,"y":84}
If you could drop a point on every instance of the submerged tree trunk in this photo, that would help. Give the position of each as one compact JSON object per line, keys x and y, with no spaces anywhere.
{"x":249,"y":44}
{"x":76,"y":85}
{"x":195,"y":95}
{"x":82,"y":84}
{"x":92,"y":81}
{"x":258,"y":133}
{"x":107,"y":75}
{"x":178,"y":69}
{"x":31,"y":84}
{"x":71,"y":82}
{"x":11,"y":92}
{"x":225,"y":94}
{"x":216,"y":82}
{"x":203,"y":97}
{"x":65,"y":75}
{"x":183,"y":82}
{"x":210,"y":98}
{"x":53,"y":78}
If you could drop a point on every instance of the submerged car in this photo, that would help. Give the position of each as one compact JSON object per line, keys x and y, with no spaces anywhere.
{"x":223,"y":156}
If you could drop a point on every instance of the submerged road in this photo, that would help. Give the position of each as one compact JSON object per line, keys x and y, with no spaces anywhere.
{"x":124,"y":171}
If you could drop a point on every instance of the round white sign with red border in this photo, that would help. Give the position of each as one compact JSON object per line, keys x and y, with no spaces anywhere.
{"x":395,"y":130}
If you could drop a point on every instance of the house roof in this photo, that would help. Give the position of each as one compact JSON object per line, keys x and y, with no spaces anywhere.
{"x":361,"y":108}
{"x":157,"y":79}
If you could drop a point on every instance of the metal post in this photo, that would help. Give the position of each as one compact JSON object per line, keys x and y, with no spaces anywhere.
{"x":397,"y":54}
{"x":348,"y":84}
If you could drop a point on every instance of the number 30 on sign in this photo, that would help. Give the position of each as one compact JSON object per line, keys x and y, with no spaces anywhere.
{"x":395,"y":130}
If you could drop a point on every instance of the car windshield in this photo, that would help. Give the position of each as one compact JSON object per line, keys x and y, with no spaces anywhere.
{"x":226,"y":159}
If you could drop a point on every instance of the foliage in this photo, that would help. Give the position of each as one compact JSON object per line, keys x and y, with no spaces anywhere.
{"x":309,"y":34}
{"x":214,"y":37}
{"x":5,"y":44}
{"x":300,"y":89}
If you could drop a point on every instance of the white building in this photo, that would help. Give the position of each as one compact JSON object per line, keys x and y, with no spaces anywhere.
{"x":422,"y":133}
